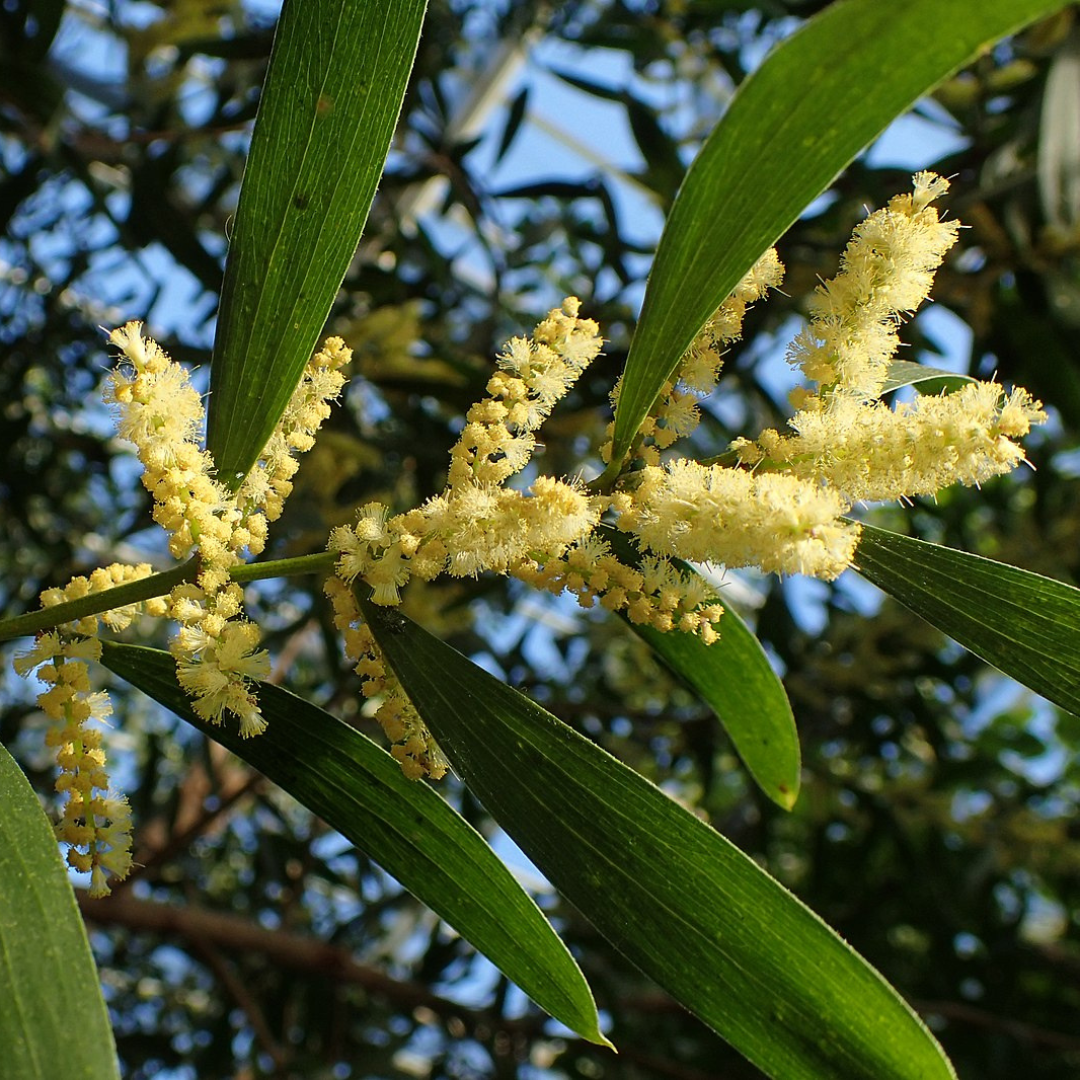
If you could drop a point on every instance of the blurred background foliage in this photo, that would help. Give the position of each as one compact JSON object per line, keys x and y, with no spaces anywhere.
{"x":937,"y":829}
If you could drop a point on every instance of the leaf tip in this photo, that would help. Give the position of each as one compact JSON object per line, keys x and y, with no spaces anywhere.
{"x":785,"y":795}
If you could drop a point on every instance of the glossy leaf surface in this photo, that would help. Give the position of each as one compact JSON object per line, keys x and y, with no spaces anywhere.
{"x":1026,"y":625}
{"x":53,"y":1020}
{"x":734,"y":678}
{"x":329,"y":106}
{"x":925,"y":379}
{"x":358,"y":789}
{"x":680,"y":901}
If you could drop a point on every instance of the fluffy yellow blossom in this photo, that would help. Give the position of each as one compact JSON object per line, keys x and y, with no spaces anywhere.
{"x":534,"y":373}
{"x":477,"y":524}
{"x":412,"y":745}
{"x":269,"y":482}
{"x":216,"y":654}
{"x":867,"y":451}
{"x":162,"y":414}
{"x":654,"y":593}
{"x":774,"y":521}
{"x":102,"y":579}
{"x":886,"y":271}
{"x":700,"y":365}
{"x":216,"y":651}
{"x":848,"y":445}
{"x":95,"y":824}
{"x":543,"y":534}
{"x":676,"y":412}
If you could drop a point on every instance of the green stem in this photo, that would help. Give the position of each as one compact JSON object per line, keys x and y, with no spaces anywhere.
{"x":320,"y":562}
{"x":134,"y":592}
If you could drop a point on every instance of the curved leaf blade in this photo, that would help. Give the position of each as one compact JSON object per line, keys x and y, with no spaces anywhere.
{"x":53,"y":1020}
{"x":358,"y":789}
{"x":1024,"y":624}
{"x":927,"y":380}
{"x":330,"y":103}
{"x":669,"y":892}
{"x":815,"y":102}
{"x":734,"y":678}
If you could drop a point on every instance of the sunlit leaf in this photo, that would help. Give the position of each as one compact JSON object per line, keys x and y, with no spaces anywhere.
{"x":927,"y":380}
{"x":814,"y":103}
{"x":333,"y":91}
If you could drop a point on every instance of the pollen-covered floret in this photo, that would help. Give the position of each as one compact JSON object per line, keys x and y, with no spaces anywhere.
{"x":217,"y":655}
{"x":412,"y":746}
{"x":217,"y":660}
{"x":867,"y":451}
{"x":733,"y":518}
{"x":676,"y":413}
{"x":477,"y":523}
{"x":95,"y":824}
{"x":886,"y":271}
{"x":261,"y":497}
{"x":654,"y":593}
{"x":534,"y":374}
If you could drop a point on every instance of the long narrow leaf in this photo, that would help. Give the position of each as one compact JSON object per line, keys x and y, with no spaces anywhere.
{"x":1026,"y":625}
{"x":358,"y":789}
{"x":52,"y":1015}
{"x":734,"y":678}
{"x":674,"y":896}
{"x":814,"y":103}
{"x":332,"y":95}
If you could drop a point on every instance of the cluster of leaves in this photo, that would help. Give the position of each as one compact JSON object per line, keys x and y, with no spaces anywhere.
{"x":933,"y":829}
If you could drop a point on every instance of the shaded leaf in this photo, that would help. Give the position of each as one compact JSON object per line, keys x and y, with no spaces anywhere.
{"x":333,"y":91}
{"x":358,"y":789}
{"x":1026,"y":625}
{"x":680,"y":901}
{"x":515,"y":114}
{"x":927,"y":380}
{"x":53,"y":1020}
{"x":734,"y":678}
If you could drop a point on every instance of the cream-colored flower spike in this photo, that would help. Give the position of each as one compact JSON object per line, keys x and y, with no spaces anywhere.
{"x":844,"y":438}
{"x":675,"y":414}
{"x":95,"y":824}
{"x":885,"y":272}
{"x":216,"y":649}
{"x":477,"y":523}
{"x":778,"y":523}
{"x":867,"y":452}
